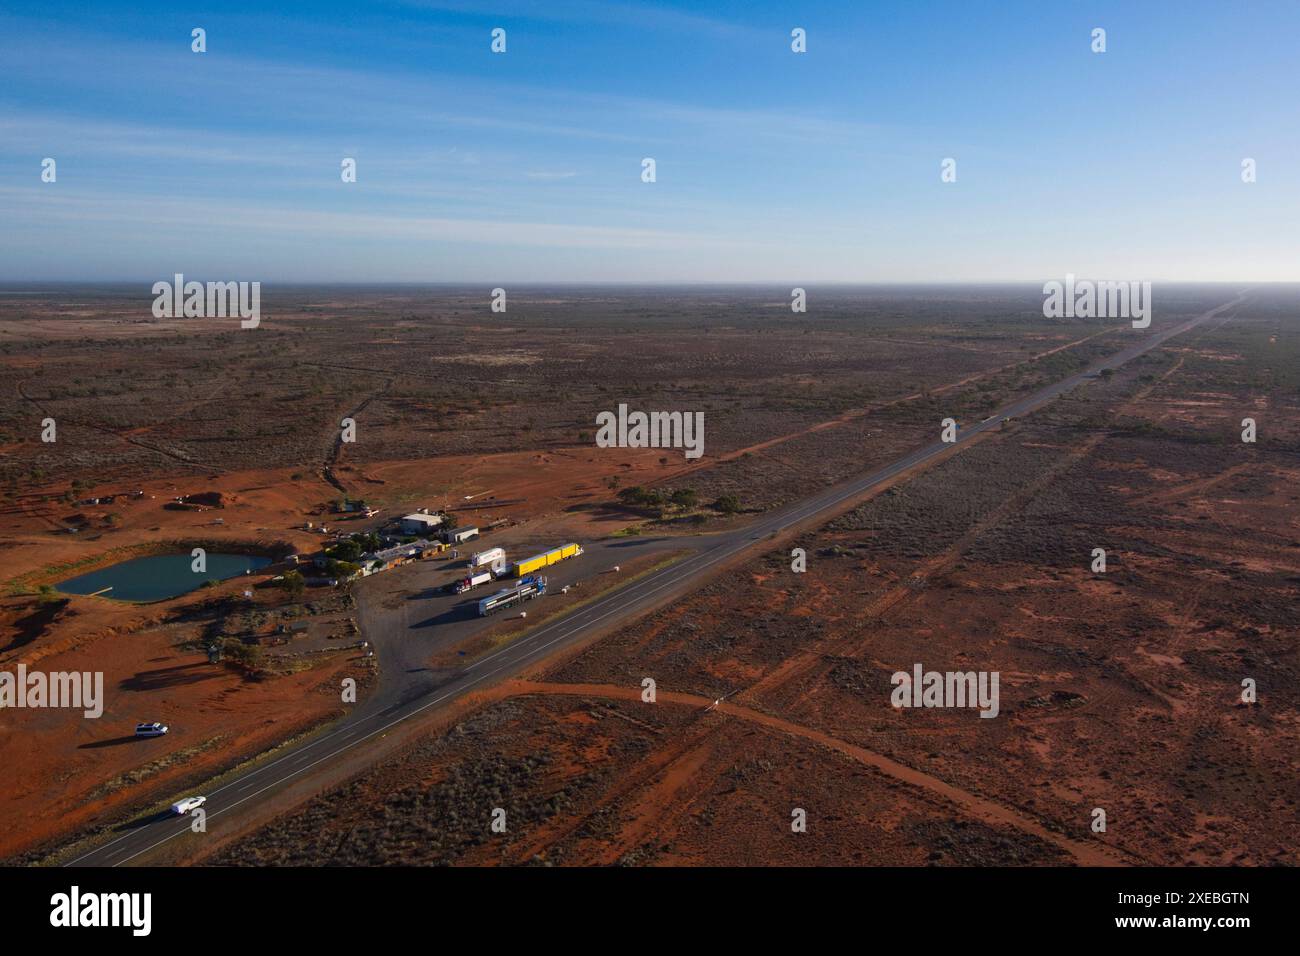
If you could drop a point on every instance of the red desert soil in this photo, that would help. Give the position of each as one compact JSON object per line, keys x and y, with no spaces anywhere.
{"x":274,"y":505}
{"x":216,"y":716}
{"x":1118,"y":689}
{"x":974,"y":805}
{"x":79,"y":773}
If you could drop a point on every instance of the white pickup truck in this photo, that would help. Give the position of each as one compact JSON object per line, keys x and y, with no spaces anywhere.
{"x":189,"y":804}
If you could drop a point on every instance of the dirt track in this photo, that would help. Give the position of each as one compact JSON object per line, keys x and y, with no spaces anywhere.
{"x":1096,"y":854}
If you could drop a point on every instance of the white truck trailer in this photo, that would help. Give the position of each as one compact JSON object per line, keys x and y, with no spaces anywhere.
{"x":488,"y":557}
{"x":473,"y":581}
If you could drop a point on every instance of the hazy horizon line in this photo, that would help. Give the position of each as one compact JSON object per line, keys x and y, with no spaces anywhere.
{"x":643,"y":283}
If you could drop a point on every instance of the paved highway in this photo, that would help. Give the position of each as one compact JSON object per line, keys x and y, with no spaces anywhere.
{"x":399,"y":699}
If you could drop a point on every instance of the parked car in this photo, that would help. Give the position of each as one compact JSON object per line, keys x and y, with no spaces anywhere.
{"x":182,"y":807}
{"x":154,"y":729}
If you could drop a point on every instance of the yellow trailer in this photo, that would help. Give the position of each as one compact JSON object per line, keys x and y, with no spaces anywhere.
{"x":547,"y":558}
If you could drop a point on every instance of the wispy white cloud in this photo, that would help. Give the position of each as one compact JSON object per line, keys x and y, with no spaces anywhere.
{"x":39,"y":205}
{"x":302,"y":95}
{"x":635,"y":15}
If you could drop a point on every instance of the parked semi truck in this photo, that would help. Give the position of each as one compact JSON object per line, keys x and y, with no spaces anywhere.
{"x":547,"y":558}
{"x":528,"y":588}
{"x":474,"y":580}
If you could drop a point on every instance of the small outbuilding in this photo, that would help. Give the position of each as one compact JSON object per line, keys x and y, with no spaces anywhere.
{"x":419,"y":523}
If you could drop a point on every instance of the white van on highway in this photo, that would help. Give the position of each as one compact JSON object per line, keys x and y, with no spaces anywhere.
{"x":182,"y":807}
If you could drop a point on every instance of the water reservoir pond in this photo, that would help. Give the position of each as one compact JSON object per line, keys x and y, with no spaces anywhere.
{"x":159,"y":576}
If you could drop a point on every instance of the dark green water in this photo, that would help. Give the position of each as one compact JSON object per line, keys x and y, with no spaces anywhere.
{"x":160,"y":576}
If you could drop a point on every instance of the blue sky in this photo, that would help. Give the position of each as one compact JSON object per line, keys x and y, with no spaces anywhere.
{"x":772,"y":166}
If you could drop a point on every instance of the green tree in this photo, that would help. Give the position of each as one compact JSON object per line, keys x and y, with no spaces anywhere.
{"x":341,"y":569}
{"x":349,"y":550}
{"x":727,"y":504}
{"x":684,"y":498}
